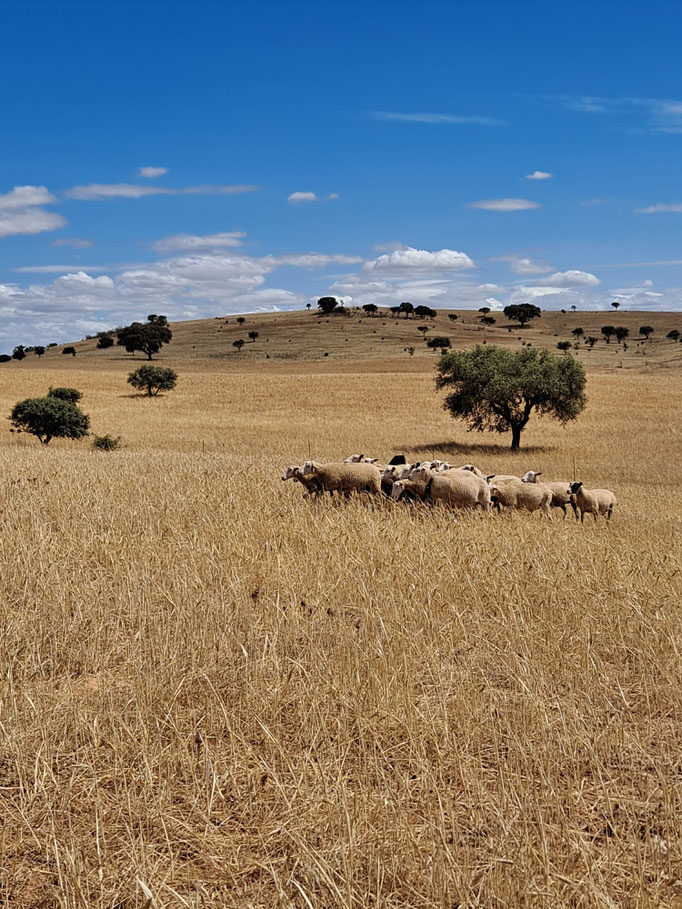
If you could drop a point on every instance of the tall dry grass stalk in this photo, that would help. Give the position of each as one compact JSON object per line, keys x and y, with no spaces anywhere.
{"x":217,"y":693}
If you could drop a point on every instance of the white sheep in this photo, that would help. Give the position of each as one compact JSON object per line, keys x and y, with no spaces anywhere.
{"x":460,"y":489}
{"x":529,"y":496}
{"x":561,"y":497}
{"x":409,"y":489}
{"x":358,"y":458}
{"x":310,"y":484}
{"x":473,"y":469}
{"x":344,"y":478}
{"x":593,"y":501}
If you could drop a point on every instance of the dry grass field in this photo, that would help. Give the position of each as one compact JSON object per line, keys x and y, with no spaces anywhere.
{"x":216,"y":693}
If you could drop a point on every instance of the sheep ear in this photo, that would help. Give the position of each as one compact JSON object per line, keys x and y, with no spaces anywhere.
{"x":362,"y":457}
{"x":417,"y":464}
{"x":488,"y":479}
{"x":538,"y":473}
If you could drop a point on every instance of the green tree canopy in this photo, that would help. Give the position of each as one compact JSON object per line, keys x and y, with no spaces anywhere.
{"x":425,"y":312}
{"x":674,"y":335}
{"x":646,"y":330}
{"x":497,"y":390}
{"x":153,"y":379}
{"x":19,"y":352}
{"x":370,"y":308}
{"x":72,"y":395}
{"x":147,"y":337}
{"x":39,"y":350}
{"x":522,"y":312}
{"x":327,"y":304}
{"x":104,"y":341}
{"x":407,"y":308}
{"x":50,"y":418}
{"x":607,"y":331}
{"x":621,"y":333}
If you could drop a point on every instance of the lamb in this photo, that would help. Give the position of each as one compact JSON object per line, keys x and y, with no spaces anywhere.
{"x":394,"y":472}
{"x":343,"y":477}
{"x":457,"y":488}
{"x":310,"y":484}
{"x":409,"y":489}
{"x":593,"y":501}
{"x":529,"y":496}
{"x":561,"y":497}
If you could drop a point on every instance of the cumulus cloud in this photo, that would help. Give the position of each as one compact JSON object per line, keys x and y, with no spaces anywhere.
{"x":504,"y":204}
{"x":420,"y":259}
{"x":539,"y":175}
{"x":151,"y":172}
{"x":21,"y":211}
{"x":571,"y":278}
{"x":473,"y":120}
{"x":101,"y":191}
{"x":660,"y":207}
{"x":26,"y":197}
{"x":73,"y":242}
{"x":295,"y":198}
{"x":187,"y":242}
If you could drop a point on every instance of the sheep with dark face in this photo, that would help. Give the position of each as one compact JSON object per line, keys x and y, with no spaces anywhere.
{"x":561,"y":497}
{"x":593,"y":501}
{"x":344,"y":478}
{"x":310,"y":484}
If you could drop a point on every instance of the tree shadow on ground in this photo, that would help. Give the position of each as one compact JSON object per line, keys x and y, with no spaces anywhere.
{"x":479,"y":448}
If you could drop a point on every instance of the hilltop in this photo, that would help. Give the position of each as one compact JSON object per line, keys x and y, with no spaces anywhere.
{"x":303,"y":337}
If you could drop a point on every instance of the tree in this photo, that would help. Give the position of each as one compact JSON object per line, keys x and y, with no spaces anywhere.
{"x":674,"y":335}
{"x":452,"y":316}
{"x":239,"y":343}
{"x":410,"y":351}
{"x":19,"y":352}
{"x":308,"y":305}
{"x":153,"y":379}
{"x":5,"y":358}
{"x":607,"y":331}
{"x":591,"y":341}
{"x":69,"y":350}
{"x":104,"y":341}
{"x":147,"y":337}
{"x":370,"y":308}
{"x":327,"y":304}
{"x":522,"y":312}
{"x":615,"y":304}
{"x":621,"y":333}
{"x":50,"y":418}
{"x":484,"y":309}
{"x":72,"y":395}
{"x":407,"y":308}
{"x":240,"y":320}
{"x":495,"y":389}
{"x":564,"y":345}
{"x":39,"y":350}
{"x":645,"y":330}
{"x":253,"y":335}
{"x":577,"y":333}
{"x":488,"y":320}
{"x":438,"y":342}
{"x":394,"y":310}
{"x":423,"y":329}
{"x":425,"y":312}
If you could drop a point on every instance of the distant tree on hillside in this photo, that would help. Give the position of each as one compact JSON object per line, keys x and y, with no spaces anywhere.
{"x":577,"y":333}
{"x":239,"y":343}
{"x":615,"y":304}
{"x":370,"y":308}
{"x":488,"y":320}
{"x":423,"y":329}
{"x":147,"y":337}
{"x":591,"y":341}
{"x":497,"y":390}
{"x":253,"y":335}
{"x":425,"y":312}
{"x":104,"y":341}
{"x":484,"y":309}
{"x":50,"y":418}
{"x":308,"y":305}
{"x":607,"y":331}
{"x":621,"y":333}
{"x":674,"y":335}
{"x":69,"y":350}
{"x":327,"y":304}
{"x":438,"y":343}
{"x":645,"y":330}
{"x":5,"y":358}
{"x":564,"y":345}
{"x":407,"y":308}
{"x":452,"y":316}
{"x":522,"y":312}
{"x":240,"y":320}
{"x":153,"y":379}
{"x":19,"y":352}
{"x":39,"y":350}
{"x":394,"y":310}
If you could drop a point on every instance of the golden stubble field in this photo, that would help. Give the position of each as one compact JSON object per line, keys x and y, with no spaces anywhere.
{"x":217,"y":693}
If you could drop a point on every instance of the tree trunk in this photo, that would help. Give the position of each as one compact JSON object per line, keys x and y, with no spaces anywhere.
{"x":516,"y":437}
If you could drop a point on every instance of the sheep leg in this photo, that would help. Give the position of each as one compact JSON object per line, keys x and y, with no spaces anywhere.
{"x":582,"y":516}
{"x":609,"y":513}
{"x":575,"y":509}
{"x":563,"y":508}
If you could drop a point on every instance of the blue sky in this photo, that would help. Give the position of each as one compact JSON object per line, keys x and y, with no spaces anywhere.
{"x":204,"y":158}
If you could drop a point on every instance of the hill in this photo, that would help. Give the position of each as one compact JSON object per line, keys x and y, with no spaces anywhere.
{"x":301,"y":337}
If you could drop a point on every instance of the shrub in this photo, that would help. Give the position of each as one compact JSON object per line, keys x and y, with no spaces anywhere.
{"x":253,"y":335}
{"x":39,"y":350}
{"x":69,"y":350}
{"x":452,"y":316}
{"x":19,"y":353}
{"x":564,"y":345}
{"x":104,"y":341}
{"x":153,"y":379}
{"x":437,"y":342}
{"x":488,"y":320}
{"x":5,"y":358}
{"x":240,"y":320}
{"x":72,"y":395}
{"x":646,"y":330}
{"x":50,"y":418}
{"x":674,"y":335}
{"x":106,"y":443}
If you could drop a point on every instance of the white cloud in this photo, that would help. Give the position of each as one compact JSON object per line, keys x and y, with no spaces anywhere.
{"x":658,"y":115}
{"x":295,"y":198}
{"x":26,"y":197}
{"x":102,"y":191}
{"x":331,"y":197}
{"x":29,"y":221}
{"x":309,"y":260}
{"x":420,"y":259}
{"x":571,"y":278}
{"x":189,"y":242}
{"x":522,"y":265}
{"x":56,"y":269}
{"x":436,"y":118}
{"x":656,"y":209}
{"x":151,"y":172}
{"x":504,"y":204}
{"x":73,"y":242}
{"x":539,"y":175}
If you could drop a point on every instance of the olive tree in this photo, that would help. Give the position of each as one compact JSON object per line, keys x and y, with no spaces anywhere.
{"x":645,"y":330}
{"x":147,"y":337}
{"x":50,"y":418}
{"x":497,"y":390}
{"x":153,"y":379}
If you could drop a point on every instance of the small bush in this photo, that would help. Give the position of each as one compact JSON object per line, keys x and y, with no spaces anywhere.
{"x":70,"y":350}
{"x":5,"y":358}
{"x":106,"y":443}
{"x":104,"y":341}
{"x":50,"y":418}
{"x":153,"y":379}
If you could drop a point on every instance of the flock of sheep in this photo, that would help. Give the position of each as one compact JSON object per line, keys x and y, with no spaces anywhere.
{"x":457,"y":487}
